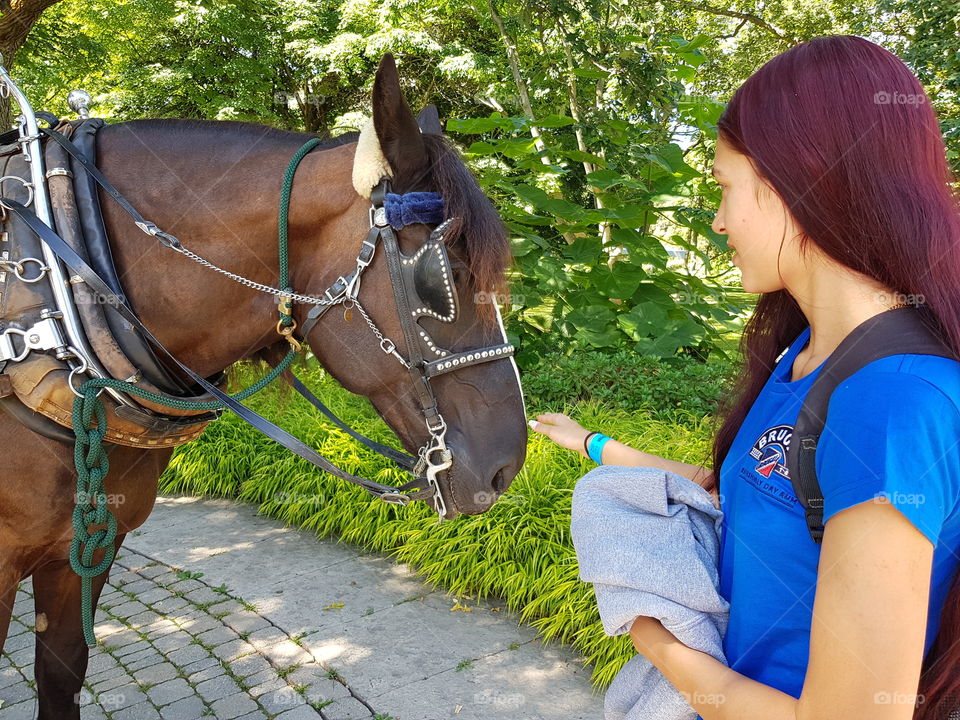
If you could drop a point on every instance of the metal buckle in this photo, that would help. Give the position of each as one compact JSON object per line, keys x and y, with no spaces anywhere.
{"x":378,"y":216}
{"x":44,"y":335}
{"x":395,"y":498}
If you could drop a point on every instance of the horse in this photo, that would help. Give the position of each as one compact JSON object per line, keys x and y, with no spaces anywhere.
{"x":215,"y":185}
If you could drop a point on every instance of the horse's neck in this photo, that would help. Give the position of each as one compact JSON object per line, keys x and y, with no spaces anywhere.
{"x":219,"y":194}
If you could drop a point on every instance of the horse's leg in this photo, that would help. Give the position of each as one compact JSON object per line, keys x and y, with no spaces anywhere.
{"x":8,"y":593}
{"x":62,"y":653}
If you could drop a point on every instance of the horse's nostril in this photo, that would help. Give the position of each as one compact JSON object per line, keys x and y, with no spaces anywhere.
{"x":498,"y":482}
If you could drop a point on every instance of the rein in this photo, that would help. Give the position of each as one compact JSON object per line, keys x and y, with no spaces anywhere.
{"x":89,"y":456}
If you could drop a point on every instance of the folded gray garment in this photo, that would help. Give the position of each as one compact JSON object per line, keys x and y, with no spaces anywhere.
{"x":649,"y":542}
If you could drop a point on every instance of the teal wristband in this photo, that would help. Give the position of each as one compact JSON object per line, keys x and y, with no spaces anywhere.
{"x":595,"y":448}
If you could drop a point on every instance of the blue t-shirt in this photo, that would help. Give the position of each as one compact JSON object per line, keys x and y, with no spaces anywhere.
{"x":893,"y":427}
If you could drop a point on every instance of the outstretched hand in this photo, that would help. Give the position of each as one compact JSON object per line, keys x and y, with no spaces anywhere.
{"x":563,"y":430}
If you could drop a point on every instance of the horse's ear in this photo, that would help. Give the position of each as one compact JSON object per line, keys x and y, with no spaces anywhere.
{"x":397,"y":129}
{"x":429,"y":120}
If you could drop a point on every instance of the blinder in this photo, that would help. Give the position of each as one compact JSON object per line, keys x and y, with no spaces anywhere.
{"x":428,"y":279}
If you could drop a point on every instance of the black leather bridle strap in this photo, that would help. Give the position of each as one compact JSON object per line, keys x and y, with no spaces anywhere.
{"x":407,"y":462}
{"x":292,"y":443}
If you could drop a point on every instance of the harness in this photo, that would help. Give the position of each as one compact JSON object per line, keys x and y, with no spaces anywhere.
{"x":422,"y":284}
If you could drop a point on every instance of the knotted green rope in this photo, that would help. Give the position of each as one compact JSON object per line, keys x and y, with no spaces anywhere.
{"x":94,"y":526}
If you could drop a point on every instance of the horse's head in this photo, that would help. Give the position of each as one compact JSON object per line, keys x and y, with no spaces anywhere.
{"x":447,"y":281}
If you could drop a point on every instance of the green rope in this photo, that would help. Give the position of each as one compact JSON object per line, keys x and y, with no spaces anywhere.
{"x":285,"y":317}
{"x":91,"y":462}
{"x":90,"y":427}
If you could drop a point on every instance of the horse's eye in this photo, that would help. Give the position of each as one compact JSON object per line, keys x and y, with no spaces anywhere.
{"x":460,"y":271}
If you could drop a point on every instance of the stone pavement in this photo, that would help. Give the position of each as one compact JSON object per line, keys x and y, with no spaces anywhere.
{"x":213,"y":611}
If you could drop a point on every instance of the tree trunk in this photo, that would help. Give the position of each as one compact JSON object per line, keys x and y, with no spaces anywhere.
{"x":16,"y":20}
{"x":514,"y":61}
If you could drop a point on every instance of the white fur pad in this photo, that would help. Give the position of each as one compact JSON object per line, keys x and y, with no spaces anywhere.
{"x":369,"y":164}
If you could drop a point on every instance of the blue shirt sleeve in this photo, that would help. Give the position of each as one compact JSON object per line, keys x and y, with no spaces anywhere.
{"x":892,"y":434}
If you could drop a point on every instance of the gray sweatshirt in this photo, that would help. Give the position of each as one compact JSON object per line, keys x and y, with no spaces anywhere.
{"x":649,"y":542}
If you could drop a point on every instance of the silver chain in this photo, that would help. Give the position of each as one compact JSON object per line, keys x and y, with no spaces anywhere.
{"x":255,"y":285}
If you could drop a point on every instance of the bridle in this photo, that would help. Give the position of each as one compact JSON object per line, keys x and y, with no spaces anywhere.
{"x":410,"y":278}
{"x":424,"y":277}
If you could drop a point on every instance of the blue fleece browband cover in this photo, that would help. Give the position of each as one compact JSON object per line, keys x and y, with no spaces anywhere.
{"x":413,"y":207}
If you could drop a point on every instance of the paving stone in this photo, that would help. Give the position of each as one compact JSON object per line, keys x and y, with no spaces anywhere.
{"x":132,"y":652}
{"x":281,"y":699}
{"x":199,"y":665}
{"x":169,"y":692}
{"x":249,"y":665}
{"x":120,"y":697}
{"x":285,"y":653}
{"x":173,"y":641}
{"x":266,"y":637}
{"x":142,"y":620}
{"x":198,"y":622}
{"x":217,"y":636}
{"x":212,"y":671}
{"x":245,"y":621}
{"x":233,"y":649}
{"x":141,"y":711}
{"x":304,"y":712}
{"x":170,"y":605}
{"x":347,"y":709}
{"x":13,"y":694}
{"x":156,"y":674}
{"x":218,"y":687}
{"x":229,"y":606}
{"x":24,"y":710}
{"x":275,"y":683}
{"x":101,"y":667}
{"x":204,"y":595}
{"x":189,"y":708}
{"x":233,"y":706}
{"x":148,"y":661}
{"x":128,"y":609}
{"x":187,"y":655}
{"x":122,"y":678}
{"x":185,"y":586}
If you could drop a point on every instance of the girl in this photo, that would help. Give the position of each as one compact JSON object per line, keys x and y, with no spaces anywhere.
{"x":837,"y":203}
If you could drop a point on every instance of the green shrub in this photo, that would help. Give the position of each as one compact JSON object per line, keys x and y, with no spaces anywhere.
{"x":520,"y":550}
{"x":624,"y":379}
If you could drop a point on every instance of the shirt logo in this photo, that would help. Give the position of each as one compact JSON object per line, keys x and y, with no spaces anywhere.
{"x":770,"y":451}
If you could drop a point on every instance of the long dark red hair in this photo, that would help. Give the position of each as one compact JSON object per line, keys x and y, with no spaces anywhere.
{"x":845,"y":134}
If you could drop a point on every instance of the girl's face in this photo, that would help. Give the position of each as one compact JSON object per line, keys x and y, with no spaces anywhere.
{"x":758,"y":226}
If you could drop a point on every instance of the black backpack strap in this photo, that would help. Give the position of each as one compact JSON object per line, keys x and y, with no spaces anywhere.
{"x":906,"y":330}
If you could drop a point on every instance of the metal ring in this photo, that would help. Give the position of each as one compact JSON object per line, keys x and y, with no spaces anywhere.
{"x":4,"y":89}
{"x":18,"y":270}
{"x":84,"y":367}
{"x":26,"y":184}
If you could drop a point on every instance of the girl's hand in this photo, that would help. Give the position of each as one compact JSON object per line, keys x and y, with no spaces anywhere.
{"x":564,"y":431}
